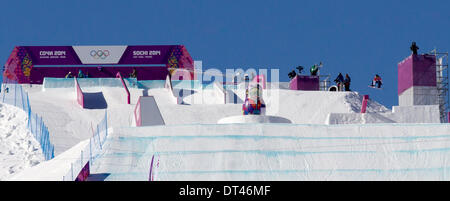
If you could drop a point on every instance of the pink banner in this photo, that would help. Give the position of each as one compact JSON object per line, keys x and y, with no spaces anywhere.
{"x":125,"y":86}
{"x":137,"y":113}
{"x":304,"y":82}
{"x":84,"y":173}
{"x":80,"y":96}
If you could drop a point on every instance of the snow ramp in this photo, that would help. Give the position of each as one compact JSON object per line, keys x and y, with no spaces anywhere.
{"x":147,"y":112}
{"x":313,"y":107}
{"x":69,"y":123}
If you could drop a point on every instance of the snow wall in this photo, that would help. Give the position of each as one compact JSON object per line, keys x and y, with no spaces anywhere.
{"x":399,"y":114}
{"x":278,"y":152}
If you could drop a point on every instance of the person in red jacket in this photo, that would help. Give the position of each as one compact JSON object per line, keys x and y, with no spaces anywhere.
{"x":376,"y":81}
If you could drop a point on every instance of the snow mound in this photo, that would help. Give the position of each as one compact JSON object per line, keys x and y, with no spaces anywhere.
{"x":354,"y":102}
{"x":313,"y":107}
{"x":18,"y":148}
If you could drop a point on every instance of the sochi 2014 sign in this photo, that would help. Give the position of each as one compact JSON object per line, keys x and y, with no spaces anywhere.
{"x":23,"y":59}
{"x":76,"y":55}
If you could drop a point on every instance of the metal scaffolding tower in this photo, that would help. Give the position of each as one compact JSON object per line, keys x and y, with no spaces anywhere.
{"x":442,"y":83}
{"x":324,"y":82}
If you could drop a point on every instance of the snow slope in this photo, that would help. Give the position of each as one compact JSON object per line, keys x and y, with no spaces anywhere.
{"x":192,"y":146}
{"x":278,"y":152}
{"x":52,"y":170}
{"x":313,"y":107}
{"x":68,"y":123}
{"x":18,"y":148}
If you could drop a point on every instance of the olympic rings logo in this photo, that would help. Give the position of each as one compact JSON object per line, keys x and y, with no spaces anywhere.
{"x":99,"y":54}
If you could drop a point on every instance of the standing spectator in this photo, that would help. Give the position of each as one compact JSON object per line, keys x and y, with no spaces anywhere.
{"x":339,"y":81}
{"x":347,"y":81}
{"x":292,"y":74}
{"x":314,"y":69}
{"x":80,"y":74}
{"x":414,"y":48}
{"x":69,"y":75}
{"x":133,"y":74}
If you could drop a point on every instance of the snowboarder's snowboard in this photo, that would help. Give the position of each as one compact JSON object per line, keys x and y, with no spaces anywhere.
{"x":374,"y":87}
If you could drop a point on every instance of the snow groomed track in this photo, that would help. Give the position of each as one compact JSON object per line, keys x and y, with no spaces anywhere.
{"x":192,"y":146}
{"x":278,"y":152}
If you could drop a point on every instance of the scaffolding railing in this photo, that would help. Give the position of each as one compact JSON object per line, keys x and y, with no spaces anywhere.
{"x":442,"y":83}
{"x":324,"y":82}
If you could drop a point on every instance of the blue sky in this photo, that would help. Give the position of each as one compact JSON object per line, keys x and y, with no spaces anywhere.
{"x":362,"y":38}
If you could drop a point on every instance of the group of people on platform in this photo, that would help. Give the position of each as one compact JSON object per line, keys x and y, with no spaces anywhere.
{"x":314,"y":70}
{"x":80,"y":75}
{"x":133,"y":74}
{"x":343,"y":83}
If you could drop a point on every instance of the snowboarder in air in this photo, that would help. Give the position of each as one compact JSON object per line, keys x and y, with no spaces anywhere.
{"x":339,"y":81}
{"x":414,"y":48}
{"x":376,"y":82}
{"x":347,"y":81}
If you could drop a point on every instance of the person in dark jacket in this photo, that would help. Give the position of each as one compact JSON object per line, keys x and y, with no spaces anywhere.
{"x":347,"y":81}
{"x":414,"y":48}
{"x":292,"y":74}
{"x":80,"y":74}
{"x":314,"y":69}
{"x":133,"y":74}
{"x":339,"y":81}
{"x":377,"y":81}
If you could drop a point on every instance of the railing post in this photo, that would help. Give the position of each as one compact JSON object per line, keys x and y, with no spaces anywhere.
{"x":90,"y":151}
{"x":15,"y":89}
{"x":364,"y":103}
{"x":29,"y":112}
{"x":21,"y":98}
{"x":42,"y":126}
{"x":118,"y":75}
{"x":106,"y":122}
{"x":35,"y":127}
{"x":99,"y":140}
{"x":81,"y":159}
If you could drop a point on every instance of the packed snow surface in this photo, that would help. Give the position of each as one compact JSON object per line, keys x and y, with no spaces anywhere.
{"x":192,"y":146}
{"x":278,"y":152}
{"x":18,"y":148}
